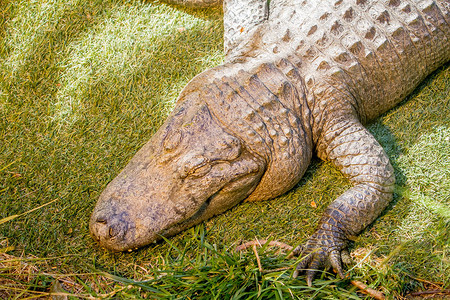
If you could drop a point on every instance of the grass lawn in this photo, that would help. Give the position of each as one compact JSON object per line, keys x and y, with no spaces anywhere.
{"x":84,"y":84}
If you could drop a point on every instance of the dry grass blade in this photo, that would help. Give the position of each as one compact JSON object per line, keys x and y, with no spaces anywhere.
{"x":9,"y":218}
{"x":367,"y":290}
{"x":258,"y":260}
{"x":263,"y":242}
{"x":15,"y":274}
{"x":432,"y":293}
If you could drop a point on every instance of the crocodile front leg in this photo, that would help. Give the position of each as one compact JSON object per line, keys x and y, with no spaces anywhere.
{"x":351,"y":148}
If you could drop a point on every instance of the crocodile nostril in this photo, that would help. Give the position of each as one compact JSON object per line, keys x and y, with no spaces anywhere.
{"x":112,"y":232}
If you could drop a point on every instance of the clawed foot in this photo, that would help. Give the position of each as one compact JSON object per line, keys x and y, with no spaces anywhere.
{"x":322,"y":250}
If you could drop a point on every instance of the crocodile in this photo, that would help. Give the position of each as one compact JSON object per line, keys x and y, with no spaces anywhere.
{"x":299,"y":77}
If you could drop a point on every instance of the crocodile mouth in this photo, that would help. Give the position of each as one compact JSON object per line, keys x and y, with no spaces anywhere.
{"x":192,"y":220}
{"x":210,"y":207}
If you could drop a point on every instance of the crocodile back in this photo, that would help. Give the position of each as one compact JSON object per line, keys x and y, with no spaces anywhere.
{"x":373,"y":53}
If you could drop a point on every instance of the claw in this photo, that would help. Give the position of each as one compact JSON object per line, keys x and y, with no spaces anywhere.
{"x":313,"y":268}
{"x":335,"y":260}
{"x":310,"y":276}
{"x":298,"y":250}
{"x":301,"y":266}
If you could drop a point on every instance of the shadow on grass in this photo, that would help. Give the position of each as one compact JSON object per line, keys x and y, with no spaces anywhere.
{"x":212,"y":13}
{"x":133,"y":97}
{"x":402,"y":126}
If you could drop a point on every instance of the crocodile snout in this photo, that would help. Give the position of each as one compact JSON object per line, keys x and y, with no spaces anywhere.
{"x":111,"y":231}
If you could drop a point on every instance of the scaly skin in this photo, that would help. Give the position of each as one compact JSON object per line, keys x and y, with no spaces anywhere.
{"x":302,"y":80}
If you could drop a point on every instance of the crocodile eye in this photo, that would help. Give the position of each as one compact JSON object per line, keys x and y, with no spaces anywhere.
{"x":196,"y":166}
{"x":201,"y":170}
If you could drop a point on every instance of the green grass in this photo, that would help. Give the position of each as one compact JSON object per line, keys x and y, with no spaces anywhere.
{"x":84,"y":84}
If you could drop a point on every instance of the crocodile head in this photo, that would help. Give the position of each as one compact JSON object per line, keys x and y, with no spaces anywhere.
{"x":190,"y":170}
